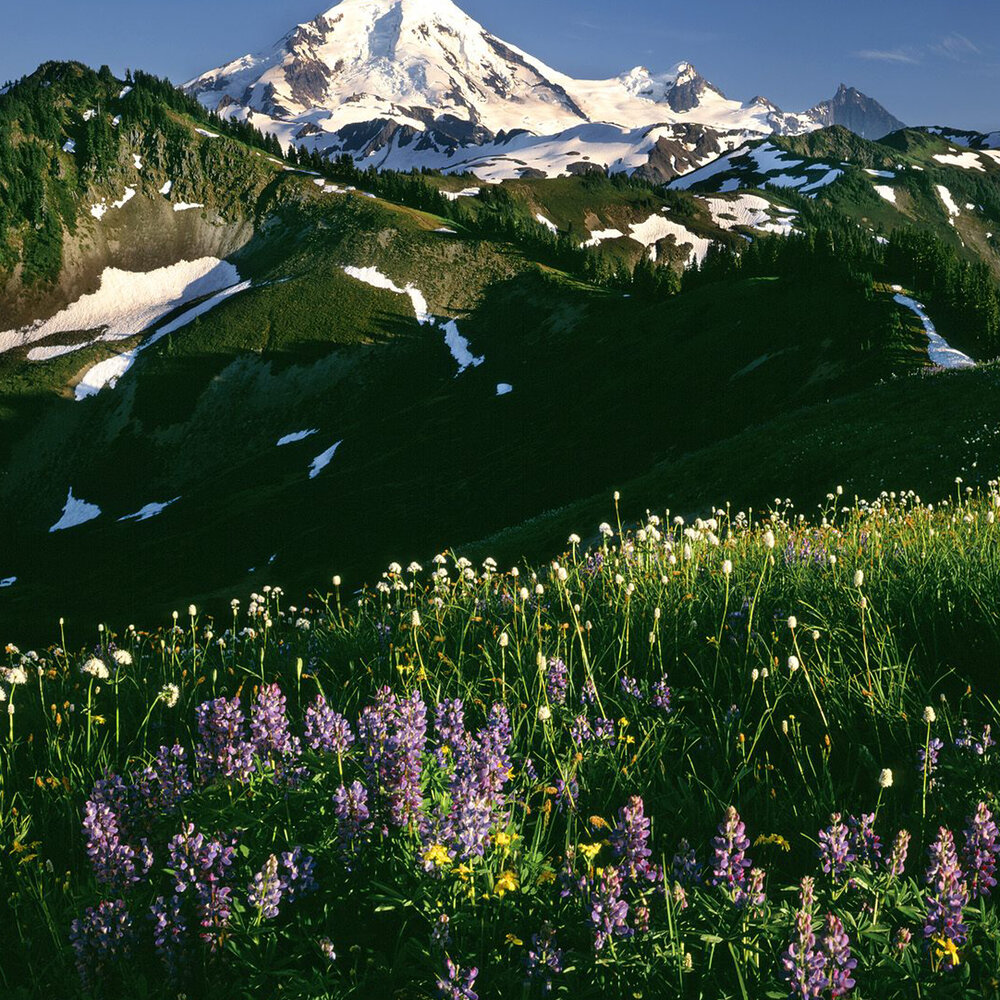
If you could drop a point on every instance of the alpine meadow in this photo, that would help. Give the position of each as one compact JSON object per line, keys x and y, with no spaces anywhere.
{"x":475,"y":532}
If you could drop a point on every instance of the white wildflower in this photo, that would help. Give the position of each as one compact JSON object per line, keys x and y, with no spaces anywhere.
{"x":544,"y":713}
{"x":885,"y":778}
{"x":859,"y":578}
{"x":95,"y":668}
{"x":170,"y":694}
{"x":929,"y":715}
{"x":793,"y":622}
{"x":122,"y":657}
{"x":793,"y":664}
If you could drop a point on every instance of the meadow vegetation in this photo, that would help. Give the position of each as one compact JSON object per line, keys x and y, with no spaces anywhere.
{"x":745,"y":756}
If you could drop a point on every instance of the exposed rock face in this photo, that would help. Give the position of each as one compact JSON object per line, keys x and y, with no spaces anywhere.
{"x":857,"y":112}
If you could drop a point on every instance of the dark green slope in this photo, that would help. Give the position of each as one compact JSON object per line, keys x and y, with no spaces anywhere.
{"x":624,"y":371}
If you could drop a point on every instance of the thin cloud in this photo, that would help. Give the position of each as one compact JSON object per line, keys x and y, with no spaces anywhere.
{"x":889,"y":55}
{"x":957,"y":47}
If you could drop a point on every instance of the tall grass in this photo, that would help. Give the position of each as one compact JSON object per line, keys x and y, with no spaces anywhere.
{"x":832,"y":679}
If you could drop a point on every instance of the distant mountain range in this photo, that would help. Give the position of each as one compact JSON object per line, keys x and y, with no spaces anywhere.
{"x":413,"y":83}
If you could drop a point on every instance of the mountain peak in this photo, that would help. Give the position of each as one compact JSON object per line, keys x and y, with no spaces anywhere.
{"x":857,"y":112}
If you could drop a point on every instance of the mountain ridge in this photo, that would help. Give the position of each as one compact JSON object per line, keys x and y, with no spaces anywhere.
{"x":368,"y":77}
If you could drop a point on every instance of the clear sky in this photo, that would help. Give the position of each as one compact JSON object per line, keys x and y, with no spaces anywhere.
{"x":927,"y":61}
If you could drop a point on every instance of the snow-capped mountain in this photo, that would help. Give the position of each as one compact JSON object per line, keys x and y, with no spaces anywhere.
{"x":405,"y":83}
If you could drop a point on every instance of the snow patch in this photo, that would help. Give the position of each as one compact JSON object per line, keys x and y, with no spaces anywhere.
{"x":469,"y":192}
{"x":938,"y":349}
{"x":150,"y":510}
{"x":888,"y":174}
{"x":949,"y":202}
{"x":598,"y":236}
{"x":125,"y":91}
{"x":69,"y":146}
{"x":88,"y":114}
{"x":184,"y":206}
{"x":137,"y":161}
{"x":656,"y":228}
{"x":296,"y":436}
{"x":167,"y":188}
{"x":459,"y":347}
{"x":504,"y":388}
{"x":75,"y":512}
{"x":372,"y":276}
{"x":322,"y":460}
{"x":128,"y":302}
{"x":967,"y":161}
{"x":207,"y":134}
{"x":548,"y":223}
{"x":8,"y":581}
{"x":824,"y":181}
{"x":125,"y":198}
{"x":445,"y":229}
{"x":884,"y":191}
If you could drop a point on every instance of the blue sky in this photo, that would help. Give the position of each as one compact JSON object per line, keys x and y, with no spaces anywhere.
{"x":928,"y":61}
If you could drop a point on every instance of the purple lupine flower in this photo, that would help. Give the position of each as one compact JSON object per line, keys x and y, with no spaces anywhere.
{"x":529,"y":771}
{"x":478,"y":802}
{"x":459,"y":983}
{"x":544,"y":959}
{"x":170,"y":933}
{"x":326,"y":730}
{"x":201,"y":867}
{"x":730,"y":862}
{"x":556,"y":680}
{"x":900,"y":847}
{"x":803,"y":964}
{"x":580,"y":731}
{"x":630,"y":843}
{"x":119,"y":797}
{"x":684,"y":867}
{"x":927,"y":759}
{"x":839,"y":964}
{"x":224,"y":750}
{"x":166,"y":783}
{"x":755,"y":895}
{"x":102,"y":939}
{"x":393,"y":733}
{"x":608,"y":911}
{"x":903,"y":938}
{"x":661,"y":696}
{"x":441,"y":932}
{"x":807,"y":893}
{"x":265,"y":889}
{"x":971,"y":744}
{"x":354,"y":826}
{"x":296,"y":873}
{"x":835,"y":848}
{"x":449,"y":727}
{"x":604,"y":730}
{"x":589,"y":693}
{"x":630,"y":686}
{"x":866,"y":845}
{"x":269,"y":731}
{"x":567,"y":794}
{"x":980,"y":852}
{"x":115,"y":863}
{"x":947,"y":893}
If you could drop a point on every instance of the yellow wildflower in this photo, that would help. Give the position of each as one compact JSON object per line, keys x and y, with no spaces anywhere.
{"x":590,"y":851}
{"x":437,"y":855}
{"x":945,"y":948}
{"x":773,"y":840}
{"x":546,"y":877}
{"x":506,"y":883}
{"x":598,"y":822}
{"x":512,"y":939}
{"x":462,"y":871}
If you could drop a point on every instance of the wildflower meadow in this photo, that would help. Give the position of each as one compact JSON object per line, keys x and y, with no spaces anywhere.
{"x":749,"y":756}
